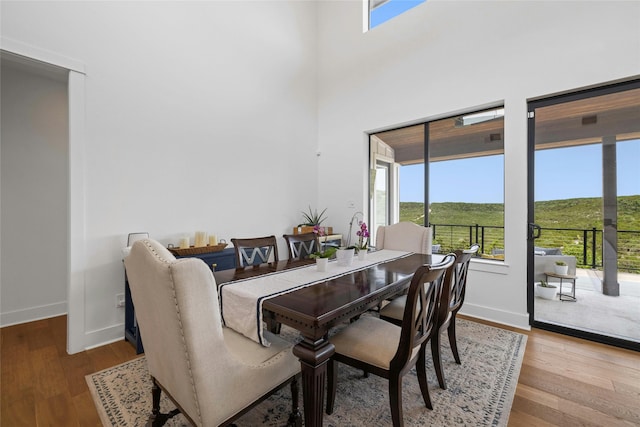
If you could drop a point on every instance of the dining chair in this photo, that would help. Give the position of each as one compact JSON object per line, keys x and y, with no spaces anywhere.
{"x":450,"y":302}
{"x":388,"y":350}
{"x":404,"y":236}
{"x":302,"y":245}
{"x":255,"y":250}
{"x":212,"y":374}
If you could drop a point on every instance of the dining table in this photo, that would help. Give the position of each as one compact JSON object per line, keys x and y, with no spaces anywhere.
{"x":314,"y":309}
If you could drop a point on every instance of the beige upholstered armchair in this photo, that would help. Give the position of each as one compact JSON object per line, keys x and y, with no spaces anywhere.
{"x":404,"y":236}
{"x":210,"y":372}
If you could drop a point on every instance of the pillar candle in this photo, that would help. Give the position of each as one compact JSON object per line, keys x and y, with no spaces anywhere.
{"x":184,"y":242}
{"x":201,"y":239}
{"x":213,"y":240}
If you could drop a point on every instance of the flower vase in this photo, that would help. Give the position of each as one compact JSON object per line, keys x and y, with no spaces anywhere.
{"x":345,"y":256}
{"x":321,"y":264}
{"x":362,"y":255}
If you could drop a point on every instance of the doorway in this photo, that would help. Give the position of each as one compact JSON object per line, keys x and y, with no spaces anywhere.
{"x":34,"y":219}
{"x":74,"y":249}
{"x":584,"y":214}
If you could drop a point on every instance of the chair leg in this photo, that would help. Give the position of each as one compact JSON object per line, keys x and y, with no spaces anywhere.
{"x":295,"y":419}
{"x":273,"y":326}
{"x":421,"y":369}
{"x":155,"y":406}
{"x":437,"y":359}
{"x":395,"y":400}
{"x":451,"y":331}
{"x":158,"y":419}
{"x":332,"y":374}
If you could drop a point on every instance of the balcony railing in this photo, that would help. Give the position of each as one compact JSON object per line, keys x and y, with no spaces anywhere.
{"x":584,"y":244}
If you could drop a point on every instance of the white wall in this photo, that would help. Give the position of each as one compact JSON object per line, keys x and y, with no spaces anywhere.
{"x":198,"y":116}
{"x":34,"y":181}
{"x":444,"y":57}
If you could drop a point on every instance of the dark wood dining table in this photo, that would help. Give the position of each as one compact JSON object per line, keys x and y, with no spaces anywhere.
{"x":315,"y":309}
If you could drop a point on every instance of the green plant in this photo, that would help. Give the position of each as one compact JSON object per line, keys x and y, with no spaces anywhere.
{"x":545,"y":284}
{"x":327,"y":253}
{"x":312,"y":218}
{"x":561,"y":263}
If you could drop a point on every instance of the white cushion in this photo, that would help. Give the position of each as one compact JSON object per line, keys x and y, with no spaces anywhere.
{"x":395,"y":308}
{"x":369,"y":339}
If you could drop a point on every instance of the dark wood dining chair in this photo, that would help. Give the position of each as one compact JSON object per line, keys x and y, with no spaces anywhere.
{"x":255,"y":251}
{"x":388,"y":350}
{"x":450,"y":301}
{"x":302,"y":245}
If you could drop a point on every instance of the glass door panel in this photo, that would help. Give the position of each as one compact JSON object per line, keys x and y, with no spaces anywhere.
{"x":585,"y":199}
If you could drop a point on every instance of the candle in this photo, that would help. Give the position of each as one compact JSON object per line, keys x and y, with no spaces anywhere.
{"x":201,"y":239}
{"x":213,"y":240}
{"x":184,"y":242}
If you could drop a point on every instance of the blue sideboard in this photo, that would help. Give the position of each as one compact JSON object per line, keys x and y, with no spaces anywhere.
{"x":221,"y":260}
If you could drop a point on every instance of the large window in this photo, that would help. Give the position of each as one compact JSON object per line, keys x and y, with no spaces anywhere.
{"x":466,"y":182}
{"x":459,"y":191}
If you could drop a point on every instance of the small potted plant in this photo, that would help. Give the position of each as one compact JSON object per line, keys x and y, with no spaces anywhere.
{"x":310,"y":220}
{"x":322,"y":257}
{"x":363,"y":241}
{"x":561,"y":268}
{"x":546,"y":290}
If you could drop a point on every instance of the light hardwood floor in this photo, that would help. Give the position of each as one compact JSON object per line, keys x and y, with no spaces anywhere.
{"x":563,"y":382}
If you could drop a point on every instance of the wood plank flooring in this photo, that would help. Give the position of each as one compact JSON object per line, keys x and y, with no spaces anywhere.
{"x":563,"y":382}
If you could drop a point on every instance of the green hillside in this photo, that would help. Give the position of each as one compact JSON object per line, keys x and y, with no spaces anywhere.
{"x":568,"y":213}
{"x":576,"y":215}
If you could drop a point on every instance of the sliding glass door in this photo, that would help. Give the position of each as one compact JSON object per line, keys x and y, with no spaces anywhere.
{"x":584,"y":214}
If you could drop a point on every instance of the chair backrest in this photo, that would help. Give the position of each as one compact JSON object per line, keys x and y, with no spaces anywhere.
{"x":454,"y":287}
{"x":302,"y":245}
{"x":419,"y":319}
{"x":404,"y":236}
{"x":177,"y":310}
{"x":255,"y":251}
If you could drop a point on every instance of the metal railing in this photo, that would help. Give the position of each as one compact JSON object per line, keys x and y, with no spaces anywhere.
{"x":584,"y":244}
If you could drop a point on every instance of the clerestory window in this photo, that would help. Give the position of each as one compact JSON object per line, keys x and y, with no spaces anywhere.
{"x":380,"y":11}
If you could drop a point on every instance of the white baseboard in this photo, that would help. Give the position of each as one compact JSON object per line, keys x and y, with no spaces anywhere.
{"x":32,"y":314}
{"x":509,"y":318}
{"x":103,"y":336}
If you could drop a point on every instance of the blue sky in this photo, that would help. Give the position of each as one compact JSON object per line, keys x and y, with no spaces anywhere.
{"x":390,"y":9}
{"x":562,"y":173}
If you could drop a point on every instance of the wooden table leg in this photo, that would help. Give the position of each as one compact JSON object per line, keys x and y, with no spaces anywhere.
{"x":313,"y":356}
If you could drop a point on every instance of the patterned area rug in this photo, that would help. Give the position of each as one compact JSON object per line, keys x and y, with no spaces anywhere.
{"x":479,"y":392}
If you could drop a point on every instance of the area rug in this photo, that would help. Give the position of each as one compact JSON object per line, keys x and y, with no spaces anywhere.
{"x":479,"y":392}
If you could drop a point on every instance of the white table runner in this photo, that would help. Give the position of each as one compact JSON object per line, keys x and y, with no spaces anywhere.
{"x":241,"y":301}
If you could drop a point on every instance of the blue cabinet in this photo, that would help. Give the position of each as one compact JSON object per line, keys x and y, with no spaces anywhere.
{"x":216,"y":261}
{"x":221,"y":260}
